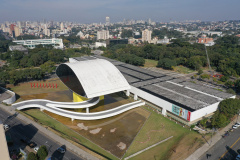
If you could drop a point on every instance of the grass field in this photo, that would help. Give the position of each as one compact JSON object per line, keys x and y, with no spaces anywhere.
{"x":66,"y":132}
{"x":150,"y":63}
{"x":183,"y":70}
{"x":25,"y":88}
{"x":158,"y":128}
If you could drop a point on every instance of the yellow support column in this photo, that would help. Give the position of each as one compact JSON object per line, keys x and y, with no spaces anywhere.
{"x":101,"y":98}
{"x":78,"y":98}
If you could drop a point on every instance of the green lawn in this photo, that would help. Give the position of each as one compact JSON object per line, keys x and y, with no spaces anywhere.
{"x":183,"y":70}
{"x":25,"y":88}
{"x":44,"y":119}
{"x":150,"y":63}
{"x":159,"y":128}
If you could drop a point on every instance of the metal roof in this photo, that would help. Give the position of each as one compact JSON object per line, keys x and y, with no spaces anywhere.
{"x":177,"y":91}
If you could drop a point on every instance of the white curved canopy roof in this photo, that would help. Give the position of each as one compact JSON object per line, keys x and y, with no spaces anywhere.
{"x":96,"y":77}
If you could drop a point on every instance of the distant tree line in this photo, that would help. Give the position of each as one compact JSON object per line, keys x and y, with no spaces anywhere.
{"x":36,"y":65}
{"x":224,"y":55}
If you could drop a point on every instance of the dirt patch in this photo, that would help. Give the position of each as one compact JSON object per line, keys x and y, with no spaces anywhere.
{"x":113,"y":130}
{"x":81,"y":125}
{"x":109,"y":132}
{"x":95,"y":131}
{"x":122,"y":146}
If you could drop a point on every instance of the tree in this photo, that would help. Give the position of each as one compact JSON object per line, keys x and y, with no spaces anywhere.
{"x":166,"y":63}
{"x":231,"y":91}
{"x":203,"y":122}
{"x":126,"y":33}
{"x":237,"y":85}
{"x":219,"y":120}
{"x":31,"y":156}
{"x":42,"y":153}
{"x":229,"y":107}
{"x":200,"y":71}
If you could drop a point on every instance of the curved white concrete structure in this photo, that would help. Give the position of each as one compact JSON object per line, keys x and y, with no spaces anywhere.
{"x":10,"y":100}
{"x":48,"y":103}
{"x":84,"y":116}
{"x":92,"y":78}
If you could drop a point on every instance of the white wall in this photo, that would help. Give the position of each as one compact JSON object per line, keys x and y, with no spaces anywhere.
{"x":165,"y":105}
{"x":151,"y":98}
{"x":10,"y":100}
{"x":205,"y":111}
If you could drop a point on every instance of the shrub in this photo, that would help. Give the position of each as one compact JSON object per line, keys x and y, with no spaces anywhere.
{"x":42,"y":153}
{"x":32,"y":156}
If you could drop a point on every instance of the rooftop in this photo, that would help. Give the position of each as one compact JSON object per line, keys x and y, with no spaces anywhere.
{"x":177,"y":91}
{"x":4,"y":148}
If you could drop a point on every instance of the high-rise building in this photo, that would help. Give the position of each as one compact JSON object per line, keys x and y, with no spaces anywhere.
{"x":149,"y":21}
{"x":107,"y":21}
{"x":47,"y":32}
{"x":147,"y":36}
{"x":103,"y":34}
{"x":11,"y":29}
{"x":16,"y":30}
{"x":62,"y":27}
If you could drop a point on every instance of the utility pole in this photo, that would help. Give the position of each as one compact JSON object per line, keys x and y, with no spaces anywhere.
{"x":208,"y":61}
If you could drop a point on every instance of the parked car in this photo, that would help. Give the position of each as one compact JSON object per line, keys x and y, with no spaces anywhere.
{"x":5,"y":126}
{"x":235,"y":126}
{"x":32,"y":144}
{"x":226,"y":134}
{"x":36,"y":149}
{"x":61,"y":150}
{"x":238,"y":157}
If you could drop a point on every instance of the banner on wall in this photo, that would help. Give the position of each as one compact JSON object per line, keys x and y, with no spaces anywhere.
{"x":181,"y":112}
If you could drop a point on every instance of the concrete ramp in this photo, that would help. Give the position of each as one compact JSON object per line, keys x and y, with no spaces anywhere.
{"x":71,"y":105}
{"x":76,"y":115}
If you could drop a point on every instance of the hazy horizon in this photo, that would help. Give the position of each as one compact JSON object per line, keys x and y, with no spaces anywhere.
{"x":91,"y":11}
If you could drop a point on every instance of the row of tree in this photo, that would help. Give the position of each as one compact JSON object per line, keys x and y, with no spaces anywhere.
{"x":36,"y":65}
{"x":226,"y":111}
{"x":41,"y":154}
{"x":224,"y":55}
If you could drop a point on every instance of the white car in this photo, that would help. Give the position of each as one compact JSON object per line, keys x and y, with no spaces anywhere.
{"x":5,"y":126}
{"x":36,"y":149}
{"x":235,"y":126}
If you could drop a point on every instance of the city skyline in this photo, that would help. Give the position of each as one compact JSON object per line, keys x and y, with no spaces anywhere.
{"x":96,"y":11}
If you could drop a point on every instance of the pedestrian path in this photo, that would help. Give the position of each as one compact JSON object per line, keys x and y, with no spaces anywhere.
{"x":202,"y":150}
{"x":52,"y":135}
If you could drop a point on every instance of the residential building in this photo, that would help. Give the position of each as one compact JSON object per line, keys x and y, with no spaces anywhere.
{"x":107,"y":21}
{"x":104,"y":34}
{"x":147,"y":36}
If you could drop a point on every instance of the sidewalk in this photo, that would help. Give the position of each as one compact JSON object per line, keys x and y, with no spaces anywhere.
{"x":51,"y":135}
{"x":200,"y":151}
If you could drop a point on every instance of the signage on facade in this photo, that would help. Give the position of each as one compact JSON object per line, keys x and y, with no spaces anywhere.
{"x":181,"y":112}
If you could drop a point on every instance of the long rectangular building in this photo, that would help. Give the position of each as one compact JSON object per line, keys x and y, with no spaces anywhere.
{"x":184,"y":99}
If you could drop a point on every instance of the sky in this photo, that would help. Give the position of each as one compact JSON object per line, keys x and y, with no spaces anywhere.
{"x":89,"y":11}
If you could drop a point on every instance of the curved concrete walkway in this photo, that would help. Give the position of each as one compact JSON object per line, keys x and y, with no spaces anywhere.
{"x":48,"y":103}
{"x":81,"y":116}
